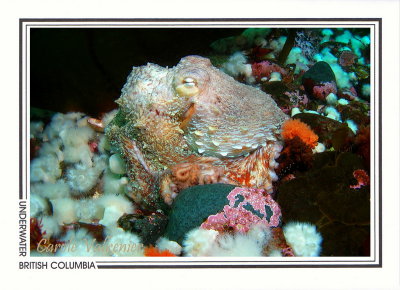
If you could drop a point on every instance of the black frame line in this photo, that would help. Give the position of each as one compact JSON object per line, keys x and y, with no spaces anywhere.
{"x":194,"y":19}
{"x":242,"y":22}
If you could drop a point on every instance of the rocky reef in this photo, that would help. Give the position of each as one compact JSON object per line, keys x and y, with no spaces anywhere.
{"x":261,"y":147}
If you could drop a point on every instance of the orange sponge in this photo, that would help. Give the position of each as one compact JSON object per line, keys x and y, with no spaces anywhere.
{"x":155,"y":252}
{"x":293,"y":127}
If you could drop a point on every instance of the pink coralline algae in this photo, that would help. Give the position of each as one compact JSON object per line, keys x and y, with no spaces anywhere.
{"x":265,"y":68}
{"x":362,"y":178}
{"x":323,"y":90}
{"x":247,"y":207}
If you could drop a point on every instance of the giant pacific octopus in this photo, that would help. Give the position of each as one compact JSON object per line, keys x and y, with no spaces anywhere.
{"x":193,"y":124}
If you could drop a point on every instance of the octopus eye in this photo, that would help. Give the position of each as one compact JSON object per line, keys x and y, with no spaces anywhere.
{"x":189,"y":81}
{"x":187,"y":88}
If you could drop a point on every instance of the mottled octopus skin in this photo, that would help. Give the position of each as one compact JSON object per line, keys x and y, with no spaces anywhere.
{"x":192,"y":113}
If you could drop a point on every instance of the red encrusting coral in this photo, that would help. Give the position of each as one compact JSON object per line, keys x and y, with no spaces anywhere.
{"x":293,"y":127}
{"x":363,"y":145}
{"x":265,"y":68}
{"x":34,"y":147}
{"x":93,"y":146}
{"x":258,"y":53}
{"x":152,"y":251}
{"x":37,"y":235}
{"x":36,"y":232}
{"x":362,"y":178}
{"x":323,"y":90}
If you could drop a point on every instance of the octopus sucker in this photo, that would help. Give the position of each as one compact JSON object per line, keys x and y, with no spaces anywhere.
{"x":171,"y":121}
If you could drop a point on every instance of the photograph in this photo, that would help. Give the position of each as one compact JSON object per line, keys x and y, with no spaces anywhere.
{"x":229,"y":141}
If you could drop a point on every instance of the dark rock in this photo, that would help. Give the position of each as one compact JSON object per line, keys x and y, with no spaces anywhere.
{"x":193,"y":206}
{"x":298,"y":201}
{"x":148,"y":227}
{"x":319,"y":73}
{"x":344,"y":240}
{"x":323,"y":196}
{"x":356,"y":111}
{"x":319,"y":80}
{"x":275,"y":88}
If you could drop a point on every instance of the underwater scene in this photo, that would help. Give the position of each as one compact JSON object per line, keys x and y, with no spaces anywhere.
{"x":251,"y":142}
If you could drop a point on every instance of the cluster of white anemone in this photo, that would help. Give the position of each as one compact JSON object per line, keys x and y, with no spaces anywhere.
{"x":303,"y":238}
{"x":71,"y":183}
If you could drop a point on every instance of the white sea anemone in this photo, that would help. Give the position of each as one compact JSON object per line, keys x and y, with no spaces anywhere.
{"x":114,"y":184}
{"x":275,"y":76}
{"x":172,"y":246}
{"x":81,"y":178}
{"x":125,"y":244}
{"x":343,"y":102}
{"x":50,"y":227}
{"x":276,"y":45}
{"x":295,"y":111}
{"x":303,"y":238}
{"x":45,"y":168}
{"x":248,"y":244}
{"x":75,"y":136}
{"x":79,"y":153}
{"x":60,"y":122}
{"x":64,"y":210}
{"x":366,"y":90}
{"x":78,"y":243}
{"x":88,"y":210}
{"x":352,"y":125}
{"x":275,"y":253}
{"x":237,"y":65}
{"x":36,"y":129}
{"x":319,"y":148}
{"x":331,"y":99}
{"x":332,"y":113}
{"x":297,"y":57}
{"x":345,"y":37}
{"x":48,"y":190}
{"x":52,"y":147}
{"x":327,"y":33}
{"x":117,"y":164}
{"x":76,"y":148}
{"x":199,"y":242}
{"x":114,"y":207}
{"x":38,"y":205}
